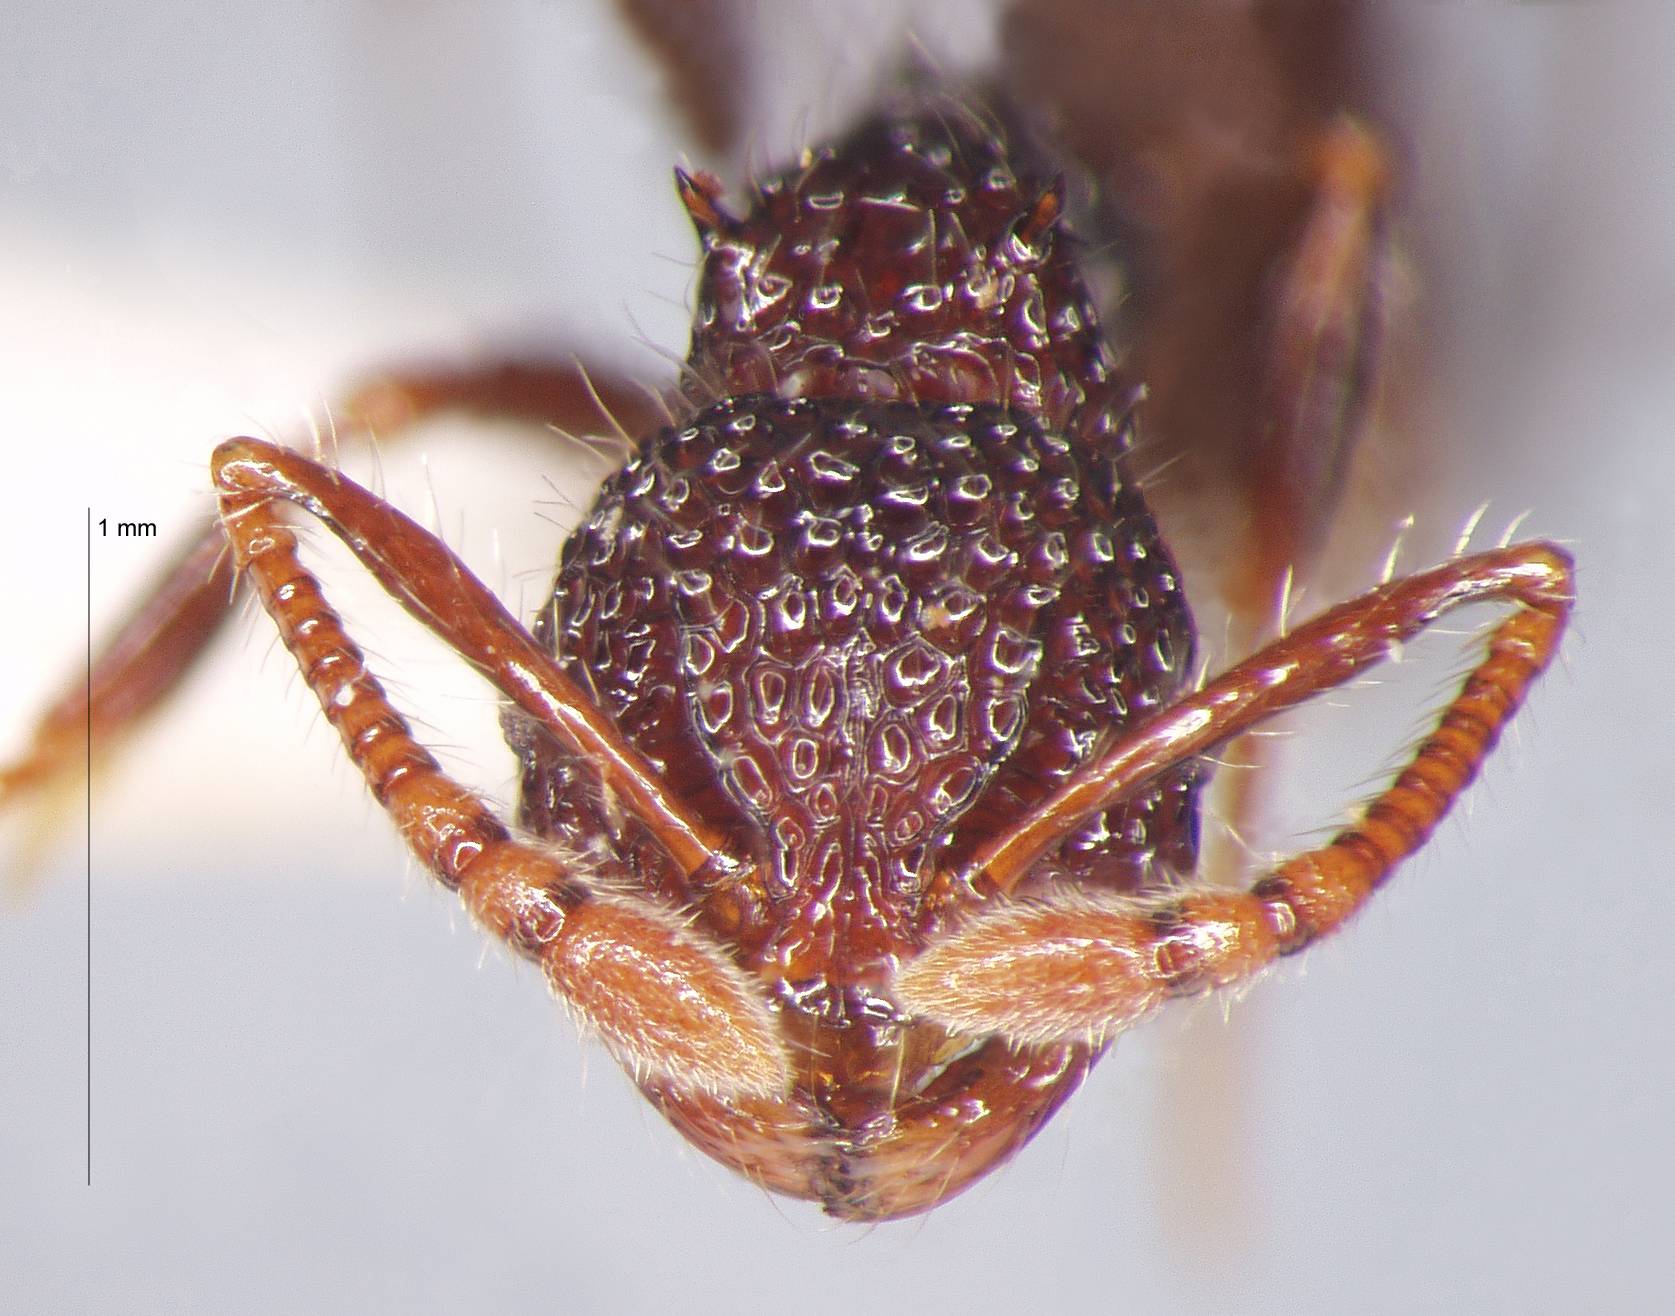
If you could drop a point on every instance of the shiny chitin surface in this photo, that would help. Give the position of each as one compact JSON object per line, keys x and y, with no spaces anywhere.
{"x":858,"y":754}
{"x":860,"y":763}
{"x":861,"y":614}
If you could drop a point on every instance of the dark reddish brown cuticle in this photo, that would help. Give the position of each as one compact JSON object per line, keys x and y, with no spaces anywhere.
{"x":871,"y":607}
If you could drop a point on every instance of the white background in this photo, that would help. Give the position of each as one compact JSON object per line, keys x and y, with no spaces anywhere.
{"x":313,"y":1090}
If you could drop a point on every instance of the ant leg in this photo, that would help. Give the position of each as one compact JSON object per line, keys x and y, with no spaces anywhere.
{"x":145,"y":660}
{"x":138,"y":666}
{"x":1323,"y":345}
{"x":667,"y":1002}
{"x":1075,"y":967}
{"x":564,"y":395}
{"x":1318,"y":357}
{"x":701,"y":48}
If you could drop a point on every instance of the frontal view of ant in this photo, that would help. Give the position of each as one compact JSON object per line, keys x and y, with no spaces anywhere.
{"x":861,"y":733}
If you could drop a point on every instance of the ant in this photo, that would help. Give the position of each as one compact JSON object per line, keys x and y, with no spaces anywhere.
{"x":860,"y":736}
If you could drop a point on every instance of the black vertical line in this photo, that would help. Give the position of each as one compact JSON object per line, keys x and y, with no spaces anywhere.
{"x":89,"y":788}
